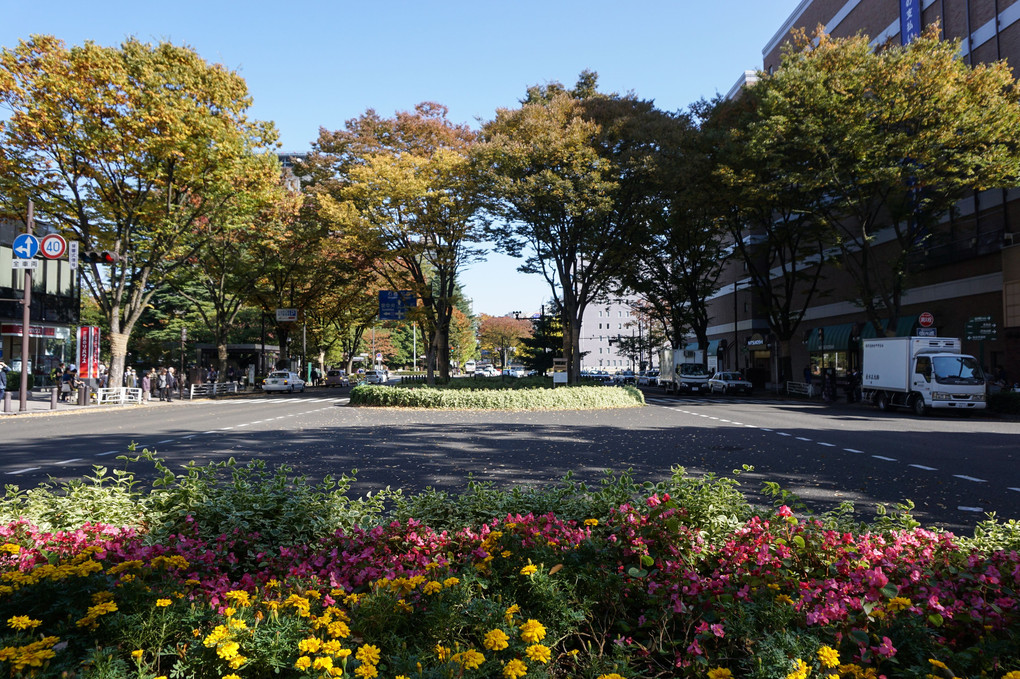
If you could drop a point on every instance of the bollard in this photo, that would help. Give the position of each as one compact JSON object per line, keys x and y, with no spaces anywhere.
{"x":53,"y":398}
{"x":83,"y":396}
{"x":7,"y":401}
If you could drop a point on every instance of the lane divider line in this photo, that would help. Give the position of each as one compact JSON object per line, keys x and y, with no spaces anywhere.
{"x":827,"y":445}
{"x":23,"y":471}
{"x":883,"y":457}
{"x":73,"y":459}
{"x":109,"y":452}
{"x":963,"y":508}
{"x":921,"y":466}
{"x":969,"y":478}
{"x":853,"y":450}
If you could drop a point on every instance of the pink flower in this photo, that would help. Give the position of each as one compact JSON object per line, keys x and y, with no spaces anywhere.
{"x":784,"y":511}
{"x":885,"y":649}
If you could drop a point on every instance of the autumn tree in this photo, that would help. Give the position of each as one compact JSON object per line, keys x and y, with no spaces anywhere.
{"x":502,"y":335}
{"x":893,"y":138}
{"x":405,"y":189}
{"x":136,"y":150}
{"x":568,"y":180}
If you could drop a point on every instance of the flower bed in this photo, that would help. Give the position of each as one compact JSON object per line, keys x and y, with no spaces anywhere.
{"x":641,"y":588}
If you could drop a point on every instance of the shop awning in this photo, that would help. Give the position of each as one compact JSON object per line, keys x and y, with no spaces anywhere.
{"x":904,"y":327}
{"x":830,"y":338}
{"x":713,"y":347}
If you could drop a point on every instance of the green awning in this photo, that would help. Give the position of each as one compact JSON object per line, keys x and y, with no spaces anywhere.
{"x":905,"y":327}
{"x":713,"y":347}
{"x":831,"y":338}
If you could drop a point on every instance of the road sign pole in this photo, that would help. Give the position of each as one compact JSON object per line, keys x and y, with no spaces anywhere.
{"x":26,"y":320}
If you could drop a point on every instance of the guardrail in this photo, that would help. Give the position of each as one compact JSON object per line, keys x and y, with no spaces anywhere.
{"x":212,"y":389}
{"x":802,"y":388}
{"x":118,"y":396}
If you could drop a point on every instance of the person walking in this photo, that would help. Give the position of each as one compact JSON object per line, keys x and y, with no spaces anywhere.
{"x":146,"y":386}
{"x":4,"y":368}
{"x":171,"y":384}
{"x":161,"y":384}
{"x":66,"y":384}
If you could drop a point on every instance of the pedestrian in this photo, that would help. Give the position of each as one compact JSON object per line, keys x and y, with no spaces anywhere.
{"x":146,"y":387}
{"x":66,"y":384}
{"x":171,"y":384}
{"x":161,"y":384}
{"x":4,"y":368}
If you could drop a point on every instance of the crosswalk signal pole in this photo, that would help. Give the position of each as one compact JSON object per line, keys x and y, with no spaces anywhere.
{"x":26,"y":320}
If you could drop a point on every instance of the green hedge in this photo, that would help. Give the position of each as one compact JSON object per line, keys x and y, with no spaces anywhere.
{"x":535,"y":382}
{"x":14,"y":380}
{"x":560,"y":398}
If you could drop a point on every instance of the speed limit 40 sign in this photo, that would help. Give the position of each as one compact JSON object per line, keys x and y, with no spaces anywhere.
{"x":53,"y":246}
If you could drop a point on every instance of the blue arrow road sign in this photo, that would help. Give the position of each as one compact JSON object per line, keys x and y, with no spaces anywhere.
{"x":25,"y":246}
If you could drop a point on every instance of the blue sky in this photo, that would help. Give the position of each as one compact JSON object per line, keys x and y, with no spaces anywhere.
{"x":317,"y":64}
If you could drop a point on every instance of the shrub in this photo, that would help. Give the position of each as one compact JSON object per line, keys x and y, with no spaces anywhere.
{"x":561,"y":398}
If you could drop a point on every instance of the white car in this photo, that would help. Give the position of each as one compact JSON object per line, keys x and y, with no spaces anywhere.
{"x":282,"y":380}
{"x":729,"y":383}
{"x":375,"y":377}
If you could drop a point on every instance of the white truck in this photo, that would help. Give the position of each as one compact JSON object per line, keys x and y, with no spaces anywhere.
{"x":683,"y":371}
{"x":921,"y":373}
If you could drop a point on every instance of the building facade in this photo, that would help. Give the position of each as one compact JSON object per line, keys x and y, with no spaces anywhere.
{"x":601,"y":327}
{"x":54,"y":312}
{"x":974,"y":269}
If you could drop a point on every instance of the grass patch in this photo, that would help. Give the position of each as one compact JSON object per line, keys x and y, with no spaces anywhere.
{"x":501,"y":398}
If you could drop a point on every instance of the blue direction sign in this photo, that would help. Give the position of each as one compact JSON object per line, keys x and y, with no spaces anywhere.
{"x":26,"y":246}
{"x":394,"y":304}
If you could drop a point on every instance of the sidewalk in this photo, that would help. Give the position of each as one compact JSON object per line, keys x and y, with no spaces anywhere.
{"x":38,"y":402}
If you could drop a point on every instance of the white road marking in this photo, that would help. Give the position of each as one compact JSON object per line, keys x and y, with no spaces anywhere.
{"x":225,"y":428}
{"x":851,"y":450}
{"x":109,"y":452}
{"x":166,"y":441}
{"x":921,"y":466}
{"x":73,"y":459}
{"x":827,"y":445}
{"x":801,"y":438}
{"x":189,"y":436}
{"x":23,"y":471}
{"x":969,"y":478}
{"x":883,"y":457}
{"x":212,"y":431}
{"x":765,"y":429}
{"x":963,"y":508}
{"x":783,"y":433}
{"x":1012,"y":488}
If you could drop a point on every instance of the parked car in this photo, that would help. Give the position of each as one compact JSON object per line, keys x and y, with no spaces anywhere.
{"x":282,"y":380}
{"x":513,"y":372}
{"x":375,"y":377}
{"x":647,"y":378}
{"x":625,"y":377}
{"x":729,"y":383}
{"x":337,"y":378}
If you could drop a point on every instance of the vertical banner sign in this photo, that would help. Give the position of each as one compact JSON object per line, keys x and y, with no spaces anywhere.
{"x":910,"y":20}
{"x":88,"y":352}
{"x":94,"y":352}
{"x":72,"y":254}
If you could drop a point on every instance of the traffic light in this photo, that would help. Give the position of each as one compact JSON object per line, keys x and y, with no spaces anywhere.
{"x":102,"y":257}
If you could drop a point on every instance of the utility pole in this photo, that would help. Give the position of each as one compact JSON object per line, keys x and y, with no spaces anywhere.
{"x":26,"y":320}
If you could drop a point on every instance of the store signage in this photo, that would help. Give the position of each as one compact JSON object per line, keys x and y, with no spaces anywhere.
{"x":88,"y":352}
{"x":926,"y":320}
{"x":756,"y":340}
{"x":14,"y":329}
{"x":910,"y":20}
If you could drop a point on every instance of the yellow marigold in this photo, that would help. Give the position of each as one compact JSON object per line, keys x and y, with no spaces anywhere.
{"x":784,"y":599}
{"x":898,"y":603}
{"x":10,"y":548}
{"x":506,"y":554}
{"x":23,"y":622}
{"x":828,"y":656}
{"x":225,"y":676}
{"x":539,"y":653}
{"x":310,"y":645}
{"x":591,"y":522}
{"x":431,"y":566}
{"x":237,"y":661}
{"x":303,"y":663}
{"x":367,"y":671}
{"x":339,"y":628}
{"x":495,"y":640}
{"x":218,"y":634}
{"x":1015,"y":674}
{"x":720,"y":673}
{"x":532,"y":631}
{"x":800,"y":670}
{"x":612,"y":675}
{"x":332,"y":647}
{"x":450,"y":582}
{"x":469,"y":659}
{"x":228,"y":650}
{"x":442,"y":652}
{"x":163,"y":603}
{"x":229,"y":611}
{"x":432,"y":587}
{"x":237,"y":623}
{"x":239,"y":597}
{"x":324,"y":663}
{"x":137,"y":654}
{"x":368,"y":654}
{"x":510,"y":613}
{"x":530,"y":569}
{"x":939,"y":664}
{"x":514,"y":669}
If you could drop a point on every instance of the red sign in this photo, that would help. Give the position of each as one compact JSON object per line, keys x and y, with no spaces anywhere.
{"x":926,"y":320}
{"x":53,"y":246}
{"x":88,"y":352}
{"x":33,"y":330}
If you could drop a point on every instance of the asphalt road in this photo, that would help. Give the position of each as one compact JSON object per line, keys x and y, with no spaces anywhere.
{"x":954,"y":469}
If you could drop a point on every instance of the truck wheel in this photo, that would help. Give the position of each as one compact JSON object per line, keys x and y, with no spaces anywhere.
{"x":882,"y":402}
{"x":920,"y":409}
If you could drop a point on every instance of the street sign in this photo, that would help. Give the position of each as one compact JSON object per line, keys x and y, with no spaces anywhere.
{"x":26,"y":246}
{"x":72,"y":254}
{"x":980,"y":328}
{"x":24,"y":263}
{"x":286,"y":315}
{"x":927,"y":332}
{"x":394,"y":304}
{"x":926,"y":320}
{"x":53,"y":246}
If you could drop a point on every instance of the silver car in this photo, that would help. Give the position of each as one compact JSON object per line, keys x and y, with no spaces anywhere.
{"x":282,"y":380}
{"x":375,"y":377}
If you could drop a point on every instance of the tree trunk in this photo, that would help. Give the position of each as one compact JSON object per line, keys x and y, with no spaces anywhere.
{"x":221,"y":364}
